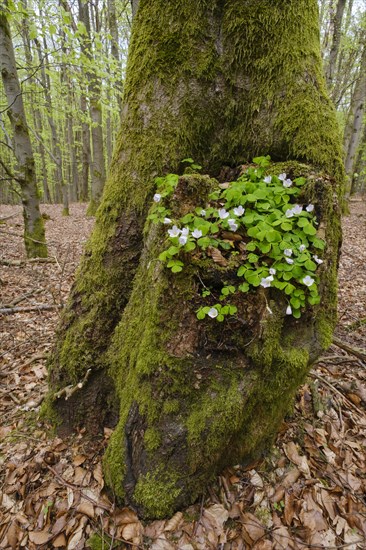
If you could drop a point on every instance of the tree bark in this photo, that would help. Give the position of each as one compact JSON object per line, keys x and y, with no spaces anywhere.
{"x":353,"y":130}
{"x":192,"y":398}
{"x":336,"y":40}
{"x":34,"y":235}
{"x":97,"y":156}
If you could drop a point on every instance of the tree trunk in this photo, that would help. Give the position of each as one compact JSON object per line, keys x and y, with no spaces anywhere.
{"x":191,"y":396}
{"x":353,"y":130}
{"x":336,"y":40}
{"x":359,"y":173}
{"x":95,"y":108}
{"x":34,"y":235}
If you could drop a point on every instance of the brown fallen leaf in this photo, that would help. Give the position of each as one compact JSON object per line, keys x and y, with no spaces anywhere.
{"x":59,"y":541}
{"x":13,"y":535}
{"x":40,"y":537}
{"x":253,"y":528}
{"x":292,"y":454}
{"x":173,"y":522}
{"x":217,"y":257}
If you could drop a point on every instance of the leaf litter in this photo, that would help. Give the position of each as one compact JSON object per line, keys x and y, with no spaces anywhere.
{"x":309,"y":492}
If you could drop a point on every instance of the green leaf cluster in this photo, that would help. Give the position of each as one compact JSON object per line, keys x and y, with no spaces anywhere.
{"x":278,"y":236}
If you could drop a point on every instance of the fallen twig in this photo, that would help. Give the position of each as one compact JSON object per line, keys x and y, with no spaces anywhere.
{"x":335,"y":390}
{"x":77,"y":488}
{"x":29,"y":261}
{"x":361,"y":354}
{"x":16,"y":301}
{"x":68,"y":391}
{"x":39,"y":307}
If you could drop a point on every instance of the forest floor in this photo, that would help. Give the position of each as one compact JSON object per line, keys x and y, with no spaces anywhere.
{"x":310,"y":492}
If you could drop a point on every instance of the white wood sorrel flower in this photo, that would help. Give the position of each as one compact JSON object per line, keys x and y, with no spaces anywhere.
{"x":223,"y":214}
{"x":308,"y":281}
{"x":174,"y":231}
{"x":157,"y":197}
{"x":197,"y":233}
{"x":266,"y":281}
{"x":239,"y":211}
{"x":213,"y":313}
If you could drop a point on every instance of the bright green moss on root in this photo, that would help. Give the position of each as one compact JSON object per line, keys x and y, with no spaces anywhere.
{"x":156,"y":492}
{"x":35,"y":240}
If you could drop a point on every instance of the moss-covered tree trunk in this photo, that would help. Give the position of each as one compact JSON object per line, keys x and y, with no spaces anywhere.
{"x":219,"y":81}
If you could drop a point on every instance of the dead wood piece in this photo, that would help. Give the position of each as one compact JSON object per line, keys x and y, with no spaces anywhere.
{"x":29,"y":261}
{"x":361,"y":354}
{"x":38,"y":307}
{"x":16,"y":301}
{"x":68,"y":391}
{"x":335,"y":390}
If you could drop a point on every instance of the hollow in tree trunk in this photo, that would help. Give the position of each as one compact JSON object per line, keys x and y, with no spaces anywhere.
{"x":220,"y":82}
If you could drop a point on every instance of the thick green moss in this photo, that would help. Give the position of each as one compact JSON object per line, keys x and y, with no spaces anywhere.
{"x":35,"y":239}
{"x":156,"y":492}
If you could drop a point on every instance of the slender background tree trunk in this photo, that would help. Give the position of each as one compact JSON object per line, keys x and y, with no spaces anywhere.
{"x":34,"y":235}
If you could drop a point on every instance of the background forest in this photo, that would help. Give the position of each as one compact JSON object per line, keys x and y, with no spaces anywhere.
{"x":71,"y":57}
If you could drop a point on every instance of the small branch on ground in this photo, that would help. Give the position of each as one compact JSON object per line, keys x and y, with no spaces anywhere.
{"x":39,"y":307}
{"x":361,"y":354}
{"x":68,"y":391}
{"x":30,"y":261}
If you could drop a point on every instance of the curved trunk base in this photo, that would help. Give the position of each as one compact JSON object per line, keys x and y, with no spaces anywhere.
{"x":198,"y":395}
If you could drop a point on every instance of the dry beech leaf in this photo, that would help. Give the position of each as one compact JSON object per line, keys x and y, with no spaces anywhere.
{"x":98,"y":475}
{"x":39,"y":537}
{"x":59,"y":541}
{"x":217,"y":515}
{"x":217,"y":257}
{"x":13,"y":535}
{"x":87,"y":508}
{"x":79,"y":459}
{"x":132,"y":531}
{"x":125,"y":516}
{"x":292,"y":454}
{"x":173,"y":523}
{"x":253,"y":527}
{"x":256,"y":479}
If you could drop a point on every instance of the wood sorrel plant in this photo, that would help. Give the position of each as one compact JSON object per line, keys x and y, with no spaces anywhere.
{"x":257,"y":219}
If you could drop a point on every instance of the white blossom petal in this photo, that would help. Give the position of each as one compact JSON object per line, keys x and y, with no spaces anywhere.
{"x":239,"y":211}
{"x":310,"y":208}
{"x":157,"y":197}
{"x":267,"y":179}
{"x":288,"y":252}
{"x":266,"y":281}
{"x":318,"y":260}
{"x":183,"y":239}
{"x":203,"y":212}
{"x":302,"y":247}
{"x":289,"y":261}
{"x":289,"y":213}
{"x":289,"y":310}
{"x":223,"y":214}
{"x":213,"y":313}
{"x":308,"y":281}
{"x":272,"y":271}
{"x":167,"y":221}
{"x":185,"y":231}
{"x":174,"y":231}
{"x":287,"y":183}
{"x":282,"y":177}
{"x":297,"y":209}
{"x":197,"y":233}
